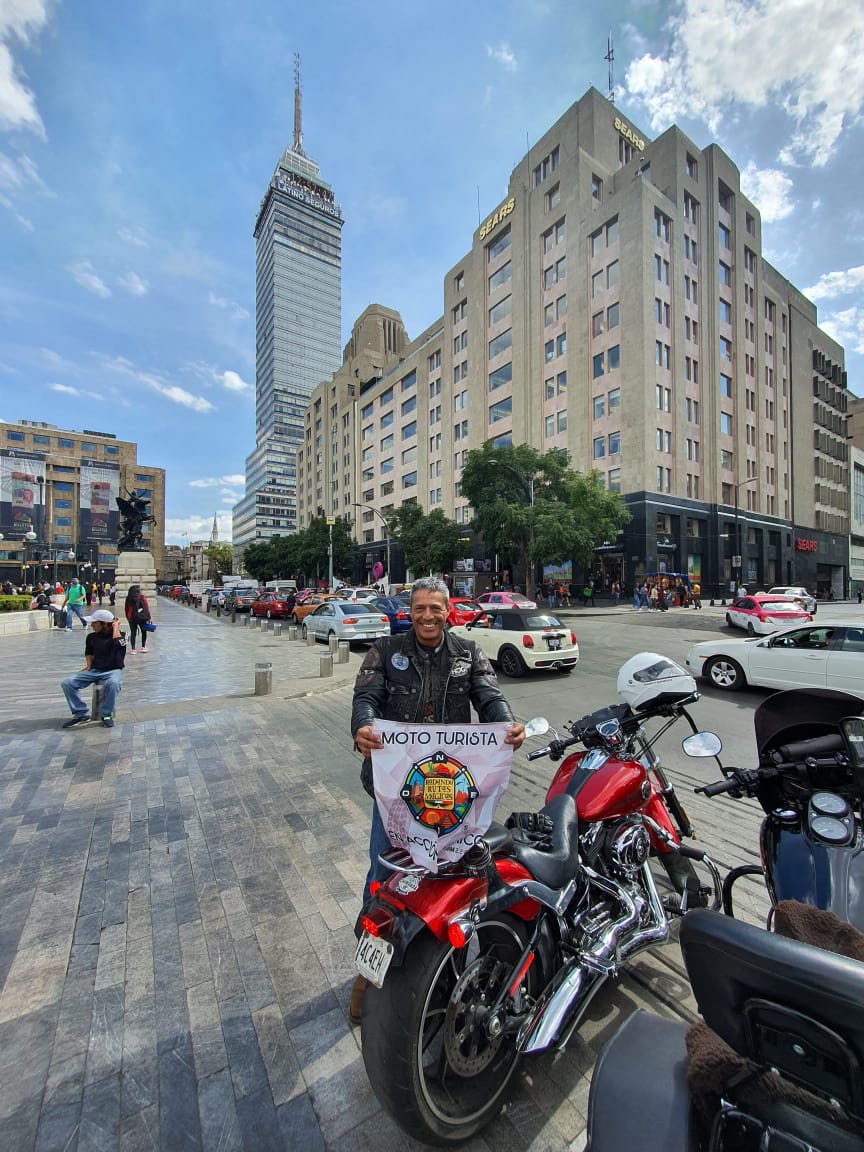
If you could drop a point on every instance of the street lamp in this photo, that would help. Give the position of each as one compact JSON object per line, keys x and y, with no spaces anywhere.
{"x":383,"y":520}
{"x":736,"y":568}
{"x":527,"y":483}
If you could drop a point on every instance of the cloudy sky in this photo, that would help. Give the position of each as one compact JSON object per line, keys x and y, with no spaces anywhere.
{"x":137,"y":139}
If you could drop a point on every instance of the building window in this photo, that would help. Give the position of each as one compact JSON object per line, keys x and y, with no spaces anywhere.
{"x":614,"y":443}
{"x":726,"y":460}
{"x":691,"y":167}
{"x":725,"y":385}
{"x":500,"y":244}
{"x":614,"y":480}
{"x":613,"y":358}
{"x":599,"y":407}
{"x":596,"y":187}
{"x":553,"y":197}
{"x":409,"y":430}
{"x":662,"y":226}
{"x":62,"y":442}
{"x":599,"y":447}
{"x":725,"y":348}
{"x":387,"y":419}
{"x":500,"y":343}
{"x":612,"y":315}
{"x":501,"y":277}
{"x":613,"y":399}
{"x":18,"y":437}
{"x":725,"y":312}
{"x":725,"y":424}
{"x":502,"y":375}
{"x":598,"y":363}
{"x":612,"y":274}
{"x":502,"y":410}
{"x":500,"y":311}
{"x":561,"y":345}
{"x":562,"y":421}
{"x":598,"y":283}
{"x":409,"y":479}
{"x":596,"y":242}
{"x":385,"y":398}
{"x":725,"y":273}
{"x":691,"y":208}
{"x":598,"y":323}
{"x":724,"y":235}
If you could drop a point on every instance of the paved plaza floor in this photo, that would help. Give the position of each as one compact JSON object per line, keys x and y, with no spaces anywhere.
{"x":177,"y":900}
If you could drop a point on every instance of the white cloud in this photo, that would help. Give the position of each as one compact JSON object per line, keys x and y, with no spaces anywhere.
{"x":770,"y":190}
{"x":133,"y":236}
{"x":503,"y":54}
{"x":172,"y":392}
{"x":134,"y":284}
{"x":761,"y":55}
{"x":833,"y":284}
{"x":215,"y":481}
{"x":847,"y":328}
{"x":65,"y":388}
{"x":236,"y":310}
{"x":20,"y":20}
{"x":235,"y":383}
{"x":85,"y":275}
{"x":58,"y":362}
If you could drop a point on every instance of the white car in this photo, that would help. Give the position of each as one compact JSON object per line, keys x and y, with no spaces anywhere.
{"x":825,"y":655}
{"x":519,"y":639}
{"x":355,"y":623}
{"x":799,"y":595}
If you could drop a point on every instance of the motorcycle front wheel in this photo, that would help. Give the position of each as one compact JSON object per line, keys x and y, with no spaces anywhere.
{"x":428,"y":1056}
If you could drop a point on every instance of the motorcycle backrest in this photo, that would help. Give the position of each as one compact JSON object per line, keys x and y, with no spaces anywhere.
{"x":779,"y":1002}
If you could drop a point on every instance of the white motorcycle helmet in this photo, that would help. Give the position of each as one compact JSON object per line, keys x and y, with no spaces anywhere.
{"x":649,"y":679}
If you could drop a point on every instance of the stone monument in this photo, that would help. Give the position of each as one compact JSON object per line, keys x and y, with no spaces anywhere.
{"x":135,"y":564}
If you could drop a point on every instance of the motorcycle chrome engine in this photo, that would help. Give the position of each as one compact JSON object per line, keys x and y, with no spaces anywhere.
{"x":629,"y":846}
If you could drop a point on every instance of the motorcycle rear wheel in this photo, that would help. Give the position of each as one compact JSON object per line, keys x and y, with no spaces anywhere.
{"x":427,"y":1056}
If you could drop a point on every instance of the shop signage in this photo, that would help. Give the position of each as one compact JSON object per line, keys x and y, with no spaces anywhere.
{"x":802,"y":545}
{"x":501,"y":214}
{"x":629,"y":134}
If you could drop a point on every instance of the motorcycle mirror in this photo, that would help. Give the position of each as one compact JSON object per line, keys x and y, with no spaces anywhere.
{"x":537,"y":727}
{"x":702,"y":744}
{"x":852,"y":728}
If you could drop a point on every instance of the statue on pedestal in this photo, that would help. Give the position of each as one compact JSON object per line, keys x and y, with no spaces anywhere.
{"x":134,"y":513}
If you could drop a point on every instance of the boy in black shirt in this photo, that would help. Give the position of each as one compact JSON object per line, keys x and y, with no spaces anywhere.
{"x":104,"y":656}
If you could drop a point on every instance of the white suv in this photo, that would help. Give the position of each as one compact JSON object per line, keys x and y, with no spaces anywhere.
{"x":799,"y":595}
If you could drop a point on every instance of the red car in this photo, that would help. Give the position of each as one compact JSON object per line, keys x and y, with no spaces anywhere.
{"x":462,"y":610}
{"x":761,"y":613}
{"x":270,"y":605}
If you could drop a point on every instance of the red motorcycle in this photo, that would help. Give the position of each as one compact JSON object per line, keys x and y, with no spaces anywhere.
{"x":499,"y":955}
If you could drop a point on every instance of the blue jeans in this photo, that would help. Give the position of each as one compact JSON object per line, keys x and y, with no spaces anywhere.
{"x":378,"y":842}
{"x":78,"y":611}
{"x":111,"y":681}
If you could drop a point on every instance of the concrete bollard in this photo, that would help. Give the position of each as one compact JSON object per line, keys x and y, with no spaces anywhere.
{"x":245,"y":620}
{"x":277,"y":628}
{"x":293,"y":631}
{"x":96,"y":698}
{"x":333,"y":643}
{"x":218,"y":609}
{"x":344,"y":648}
{"x":263,"y":679}
{"x":310,"y":639}
{"x":326,"y":668}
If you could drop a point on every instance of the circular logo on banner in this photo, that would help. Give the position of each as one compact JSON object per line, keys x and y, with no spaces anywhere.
{"x":439,"y":792}
{"x":377,"y":570}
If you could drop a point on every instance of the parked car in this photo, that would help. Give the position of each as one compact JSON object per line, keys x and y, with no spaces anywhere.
{"x":179,"y":591}
{"x":357,"y":594}
{"x":761,"y":613}
{"x":308,"y":604}
{"x":824,"y":655}
{"x":240,"y":598}
{"x":355,"y":623}
{"x":505,"y":600}
{"x":519,"y":639}
{"x":215,"y":596}
{"x":270,"y":605}
{"x":398,"y":613}
{"x":799,"y":595}
{"x":462,"y":610}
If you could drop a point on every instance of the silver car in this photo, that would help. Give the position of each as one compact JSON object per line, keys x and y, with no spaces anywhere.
{"x":356,"y":623}
{"x":799,"y":595}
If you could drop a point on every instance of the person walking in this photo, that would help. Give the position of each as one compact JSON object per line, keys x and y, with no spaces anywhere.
{"x":73,"y":602}
{"x":616,"y":592}
{"x":426,"y":675}
{"x":138,"y":614}
{"x":104,"y":656}
{"x":696,"y":593}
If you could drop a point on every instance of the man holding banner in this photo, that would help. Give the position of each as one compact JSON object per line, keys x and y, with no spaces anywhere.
{"x":427,"y":677}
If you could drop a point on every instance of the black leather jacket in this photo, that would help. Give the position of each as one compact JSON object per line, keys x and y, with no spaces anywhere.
{"x":461,"y":676}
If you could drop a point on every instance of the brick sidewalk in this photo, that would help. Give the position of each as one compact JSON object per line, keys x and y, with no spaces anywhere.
{"x":177,"y":899}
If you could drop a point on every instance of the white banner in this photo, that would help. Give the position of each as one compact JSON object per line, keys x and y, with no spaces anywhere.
{"x":437,"y":785}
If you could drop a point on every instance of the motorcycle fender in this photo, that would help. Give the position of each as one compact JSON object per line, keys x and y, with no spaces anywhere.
{"x":659,"y":813}
{"x":799,"y":867}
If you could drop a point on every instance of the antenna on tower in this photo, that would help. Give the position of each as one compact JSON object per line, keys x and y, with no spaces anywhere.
{"x":298,"y":108}
{"x":610,"y":60}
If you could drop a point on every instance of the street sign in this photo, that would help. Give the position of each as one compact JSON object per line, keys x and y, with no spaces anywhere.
{"x":736,"y":561}
{"x":331,"y":520}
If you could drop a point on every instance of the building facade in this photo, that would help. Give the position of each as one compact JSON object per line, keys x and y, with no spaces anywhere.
{"x":60,"y":487}
{"x":616,"y":303}
{"x":298,"y":295}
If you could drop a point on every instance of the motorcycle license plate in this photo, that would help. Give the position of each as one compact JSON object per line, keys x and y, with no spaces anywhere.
{"x":372,"y":958}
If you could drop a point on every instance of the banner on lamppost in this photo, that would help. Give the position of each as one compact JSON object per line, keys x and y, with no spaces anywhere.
{"x":98,"y":514}
{"x":22,"y":483}
{"x":437,"y":785}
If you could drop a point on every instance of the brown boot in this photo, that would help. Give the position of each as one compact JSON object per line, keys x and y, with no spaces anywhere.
{"x":355,"y":1005}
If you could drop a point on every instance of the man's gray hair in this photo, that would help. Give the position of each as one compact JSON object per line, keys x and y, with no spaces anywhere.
{"x":431,"y":584}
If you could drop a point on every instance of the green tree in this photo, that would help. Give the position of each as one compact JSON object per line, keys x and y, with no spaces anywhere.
{"x":258,"y":561}
{"x":533,"y":507}
{"x":428,"y":541}
{"x":219,"y":560}
{"x":313,"y":548}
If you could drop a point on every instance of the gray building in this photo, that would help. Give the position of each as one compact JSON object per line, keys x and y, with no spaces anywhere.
{"x":298,"y":296}
{"x":615,"y":303}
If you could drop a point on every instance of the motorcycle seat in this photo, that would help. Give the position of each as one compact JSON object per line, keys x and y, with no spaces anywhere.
{"x":657,"y":1110}
{"x":560,"y":863}
{"x":498,"y":838}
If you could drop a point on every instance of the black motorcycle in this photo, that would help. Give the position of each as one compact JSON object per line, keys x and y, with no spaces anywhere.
{"x":810,"y":784}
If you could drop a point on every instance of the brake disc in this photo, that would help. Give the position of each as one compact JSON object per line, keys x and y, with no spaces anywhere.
{"x":467,"y":1044}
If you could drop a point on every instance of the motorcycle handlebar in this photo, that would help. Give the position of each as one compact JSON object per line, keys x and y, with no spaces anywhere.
{"x":720,"y":786}
{"x":803,"y":749}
